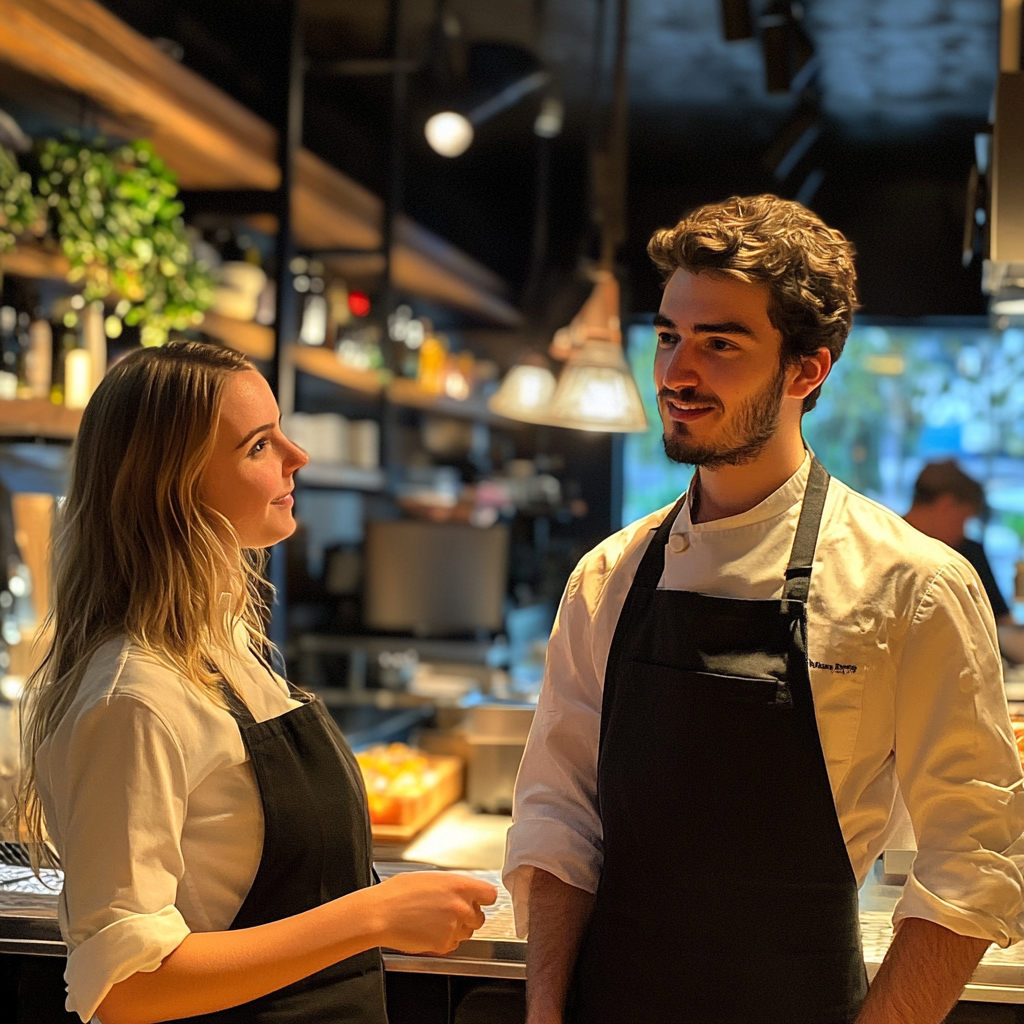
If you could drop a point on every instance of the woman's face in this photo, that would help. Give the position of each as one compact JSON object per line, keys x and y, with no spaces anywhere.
{"x":248,"y":479}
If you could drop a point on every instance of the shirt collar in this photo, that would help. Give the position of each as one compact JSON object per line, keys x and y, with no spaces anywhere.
{"x":778,"y":502}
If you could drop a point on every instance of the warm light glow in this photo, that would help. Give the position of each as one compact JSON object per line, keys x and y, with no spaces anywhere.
{"x":549,"y":120}
{"x":525,"y":393}
{"x":597,"y":392}
{"x":449,"y":134}
{"x":77,"y":378}
{"x":1008,"y":307}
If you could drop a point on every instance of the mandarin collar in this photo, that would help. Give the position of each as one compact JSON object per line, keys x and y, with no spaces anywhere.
{"x":778,"y":502}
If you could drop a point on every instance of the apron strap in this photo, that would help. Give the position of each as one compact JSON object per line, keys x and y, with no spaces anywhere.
{"x":652,"y":565}
{"x":798,"y":572}
{"x":236,"y":706}
{"x":293,"y":691}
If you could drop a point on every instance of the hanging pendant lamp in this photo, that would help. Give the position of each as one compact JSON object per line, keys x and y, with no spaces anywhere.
{"x":525,"y":393}
{"x":596,"y":390}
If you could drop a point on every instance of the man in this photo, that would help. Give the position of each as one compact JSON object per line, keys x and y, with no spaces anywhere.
{"x":738,"y":688}
{"x":945,"y":497}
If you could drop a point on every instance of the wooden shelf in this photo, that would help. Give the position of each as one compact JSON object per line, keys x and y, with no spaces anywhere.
{"x":38,"y":417}
{"x":213,"y":142}
{"x":251,"y":339}
{"x":406,"y":392}
{"x":31,"y":260}
{"x":349,"y":478}
{"x":323,"y":363}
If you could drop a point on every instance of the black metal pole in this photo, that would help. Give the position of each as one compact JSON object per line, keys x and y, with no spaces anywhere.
{"x":289,"y":129}
{"x":393,"y":196}
{"x":281,"y":373}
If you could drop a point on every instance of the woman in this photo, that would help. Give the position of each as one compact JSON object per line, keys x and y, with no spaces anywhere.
{"x":211,"y":821}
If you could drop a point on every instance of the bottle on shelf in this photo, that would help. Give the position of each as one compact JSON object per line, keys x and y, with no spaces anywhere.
{"x":9,"y":352}
{"x":94,"y":341}
{"x":432,"y":364}
{"x":39,"y":359}
{"x":72,"y":374}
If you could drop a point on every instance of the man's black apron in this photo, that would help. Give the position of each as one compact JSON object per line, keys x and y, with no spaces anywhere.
{"x":316,"y":848}
{"x":726,"y":894}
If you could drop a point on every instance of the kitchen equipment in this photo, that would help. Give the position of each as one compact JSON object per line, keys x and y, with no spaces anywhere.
{"x":435,"y":579}
{"x":497,"y":735}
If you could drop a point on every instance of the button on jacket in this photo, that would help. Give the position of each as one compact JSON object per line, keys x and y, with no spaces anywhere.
{"x":907,"y":685}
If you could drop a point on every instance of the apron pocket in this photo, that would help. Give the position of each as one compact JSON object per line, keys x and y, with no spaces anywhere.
{"x":768,"y":692}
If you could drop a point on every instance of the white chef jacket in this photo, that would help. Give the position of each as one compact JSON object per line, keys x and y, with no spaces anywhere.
{"x":908,"y":694}
{"x":153,"y":807}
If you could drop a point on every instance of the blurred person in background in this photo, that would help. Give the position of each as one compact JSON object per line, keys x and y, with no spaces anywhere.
{"x":945,"y":498}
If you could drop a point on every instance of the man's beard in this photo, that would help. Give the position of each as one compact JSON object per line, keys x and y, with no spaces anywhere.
{"x":754,"y":425}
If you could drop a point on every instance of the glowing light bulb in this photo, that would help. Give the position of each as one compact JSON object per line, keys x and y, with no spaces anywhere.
{"x":449,"y":134}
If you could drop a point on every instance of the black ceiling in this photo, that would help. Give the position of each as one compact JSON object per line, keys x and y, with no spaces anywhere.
{"x":901,"y":89}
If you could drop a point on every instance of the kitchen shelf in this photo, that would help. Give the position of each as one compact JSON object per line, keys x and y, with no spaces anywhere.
{"x":349,"y":478}
{"x":322,"y":362}
{"x":32,"y":260}
{"x":38,"y":417}
{"x":251,"y":339}
{"x":213,"y":142}
{"x":406,"y":392}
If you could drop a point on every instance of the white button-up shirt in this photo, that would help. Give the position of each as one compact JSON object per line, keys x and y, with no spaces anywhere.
{"x":153,"y":807}
{"x":908,"y":694}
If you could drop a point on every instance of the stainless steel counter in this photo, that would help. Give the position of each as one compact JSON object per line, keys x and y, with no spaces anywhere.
{"x":28,"y":924}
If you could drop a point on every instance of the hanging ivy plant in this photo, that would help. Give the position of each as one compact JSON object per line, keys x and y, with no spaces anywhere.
{"x":116,"y":213}
{"x":21,"y":212}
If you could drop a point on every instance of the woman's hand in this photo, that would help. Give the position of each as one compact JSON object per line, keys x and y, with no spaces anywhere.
{"x":416,"y":912}
{"x":431,"y":911}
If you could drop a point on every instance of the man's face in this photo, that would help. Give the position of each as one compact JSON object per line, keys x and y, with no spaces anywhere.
{"x":718,"y":370}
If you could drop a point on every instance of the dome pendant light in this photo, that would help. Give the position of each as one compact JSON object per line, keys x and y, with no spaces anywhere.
{"x":596,"y":390}
{"x":525,"y":393}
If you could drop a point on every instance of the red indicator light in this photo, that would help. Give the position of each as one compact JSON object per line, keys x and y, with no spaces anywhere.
{"x":358,"y":303}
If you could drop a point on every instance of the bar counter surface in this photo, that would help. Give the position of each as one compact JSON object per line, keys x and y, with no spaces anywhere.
{"x":28,"y":925}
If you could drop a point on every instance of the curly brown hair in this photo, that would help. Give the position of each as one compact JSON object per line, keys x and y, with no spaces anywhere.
{"x":806,"y":266}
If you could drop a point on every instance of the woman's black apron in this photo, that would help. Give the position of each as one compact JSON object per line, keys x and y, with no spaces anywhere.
{"x":316,"y":848}
{"x":726,"y":894}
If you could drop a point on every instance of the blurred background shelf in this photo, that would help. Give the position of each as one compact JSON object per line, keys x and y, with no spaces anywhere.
{"x":35,"y":261}
{"x":38,"y":417}
{"x":354,"y":478}
{"x":212,"y":142}
{"x":251,"y":339}
{"x":402,"y":391}
{"x":322,"y":362}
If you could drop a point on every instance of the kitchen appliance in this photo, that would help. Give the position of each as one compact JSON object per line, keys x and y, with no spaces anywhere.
{"x":496,"y":734}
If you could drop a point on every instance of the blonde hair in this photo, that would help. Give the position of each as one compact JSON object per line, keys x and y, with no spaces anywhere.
{"x":137,"y":552}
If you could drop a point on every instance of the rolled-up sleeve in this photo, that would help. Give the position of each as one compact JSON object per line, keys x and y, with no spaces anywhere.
{"x":958,"y":766}
{"x":556,"y":826}
{"x":118,"y":820}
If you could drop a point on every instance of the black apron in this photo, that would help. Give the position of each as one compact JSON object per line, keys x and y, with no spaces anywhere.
{"x":316,"y":848}
{"x":726,"y":894}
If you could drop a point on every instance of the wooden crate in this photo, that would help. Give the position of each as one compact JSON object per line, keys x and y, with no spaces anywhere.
{"x":409,"y":815}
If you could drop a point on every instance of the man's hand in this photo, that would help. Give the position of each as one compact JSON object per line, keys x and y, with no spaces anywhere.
{"x":922,"y":976}
{"x":559,"y":914}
